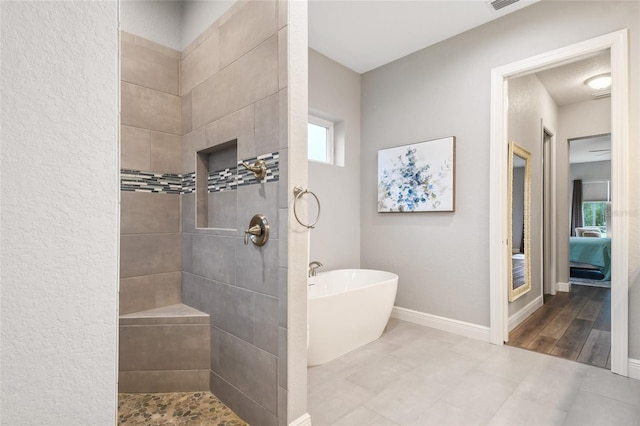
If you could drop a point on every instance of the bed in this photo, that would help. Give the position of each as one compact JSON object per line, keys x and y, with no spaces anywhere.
{"x":590,"y":253}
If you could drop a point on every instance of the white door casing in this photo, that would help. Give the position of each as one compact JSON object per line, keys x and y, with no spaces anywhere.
{"x":498,"y":232}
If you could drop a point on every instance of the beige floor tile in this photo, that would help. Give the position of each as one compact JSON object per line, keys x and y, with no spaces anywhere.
{"x":591,"y":409}
{"x":602,"y":382}
{"x":363,"y":416}
{"x":335,"y":401}
{"x":476,"y":349}
{"x":394,"y":324}
{"x":554,"y":382}
{"x":511,"y":363}
{"x":481,"y":394}
{"x":369,"y":352}
{"x":443,"y":414}
{"x":450,"y":366}
{"x":376,"y":375}
{"x":460,"y":381}
{"x":322,"y":375}
{"x":520,"y":410}
{"x":420,"y":351}
{"x":405,"y":335}
{"x":405,"y":399}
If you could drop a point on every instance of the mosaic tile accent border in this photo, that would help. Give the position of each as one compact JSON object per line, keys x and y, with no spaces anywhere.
{"x":188,"y":183}
{"x":272,"y":161}
{"x":222,"y":180}
{"x":138,"y":181}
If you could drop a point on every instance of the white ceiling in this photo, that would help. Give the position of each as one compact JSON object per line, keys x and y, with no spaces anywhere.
{"x":365,"y":34}
{"x":566,"y":85}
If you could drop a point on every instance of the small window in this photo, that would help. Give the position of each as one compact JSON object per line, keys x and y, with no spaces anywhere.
{"x":320,"y":136}
{"x":594,"y":214}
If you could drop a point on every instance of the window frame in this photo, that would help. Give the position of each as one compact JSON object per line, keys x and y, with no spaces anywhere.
{"x":602,"y":228}
{"x":330,"y":142}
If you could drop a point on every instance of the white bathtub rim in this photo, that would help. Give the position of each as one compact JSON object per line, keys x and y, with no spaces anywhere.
{"x":393,"y":278}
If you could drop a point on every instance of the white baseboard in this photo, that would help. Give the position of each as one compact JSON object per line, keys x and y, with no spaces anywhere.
{"x":634,"y":368}
{"x":524,"y":313}
{"x":304,"y":420}
{"x":462,"y":328}
{"x":566,"y":287}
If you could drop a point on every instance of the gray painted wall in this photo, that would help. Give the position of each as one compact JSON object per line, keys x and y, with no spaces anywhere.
{"x":589,"y":171}
{"x":442,"y":258}
{"x":334,"y":94}
{"x":59,"y":172}
{"x":575,"y":121}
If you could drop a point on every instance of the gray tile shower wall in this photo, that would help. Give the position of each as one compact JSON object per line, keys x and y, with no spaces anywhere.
{"x":150,"y":142}
{"x":172,"y":352}
{"x":231,"y":80}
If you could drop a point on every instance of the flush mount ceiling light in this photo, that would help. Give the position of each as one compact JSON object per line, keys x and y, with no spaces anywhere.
{"x":599,"y":82}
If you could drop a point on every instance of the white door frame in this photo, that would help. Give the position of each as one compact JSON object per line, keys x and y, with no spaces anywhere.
{"x":549,"y":195}
{"x":498,"y":232}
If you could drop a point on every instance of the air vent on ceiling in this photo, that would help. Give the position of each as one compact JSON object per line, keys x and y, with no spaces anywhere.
{"x":499,"y":4}
{"x":601,"y":95}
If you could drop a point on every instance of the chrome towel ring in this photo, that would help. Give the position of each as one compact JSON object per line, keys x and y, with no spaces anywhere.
{"x":299,"y":192}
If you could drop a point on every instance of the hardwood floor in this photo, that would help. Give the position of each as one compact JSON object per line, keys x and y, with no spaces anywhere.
{"x":575,"y":325}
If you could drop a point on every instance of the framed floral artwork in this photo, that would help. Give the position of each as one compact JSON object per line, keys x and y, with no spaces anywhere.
{"x":417,"y":178}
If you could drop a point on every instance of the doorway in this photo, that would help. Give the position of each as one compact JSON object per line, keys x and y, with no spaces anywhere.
{"x":617,"y":42}
{"x":576,"y":324}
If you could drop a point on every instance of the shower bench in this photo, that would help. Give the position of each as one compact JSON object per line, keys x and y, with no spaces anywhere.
{"x":164,"y":350}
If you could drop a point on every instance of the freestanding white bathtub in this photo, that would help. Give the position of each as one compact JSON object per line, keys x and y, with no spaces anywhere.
{"x":348,"y":308}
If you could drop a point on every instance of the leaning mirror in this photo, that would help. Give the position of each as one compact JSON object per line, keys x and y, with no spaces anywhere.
{"x":519,"y":221}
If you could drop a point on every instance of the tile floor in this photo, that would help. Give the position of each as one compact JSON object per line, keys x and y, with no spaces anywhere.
{"x":416,"y":375}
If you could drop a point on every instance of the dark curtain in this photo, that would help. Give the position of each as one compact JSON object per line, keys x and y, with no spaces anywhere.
{"x":576,"y":207}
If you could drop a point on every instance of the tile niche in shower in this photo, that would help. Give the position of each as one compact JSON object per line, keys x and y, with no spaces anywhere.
{"x":216,"y":186}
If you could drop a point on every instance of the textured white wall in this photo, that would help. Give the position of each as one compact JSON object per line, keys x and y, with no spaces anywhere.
{"x":155,"y":20}
{"x":529,"y":102}
{"x":59,"y":212}
{"x":334,"y":93}
{"x":442,"y":258}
